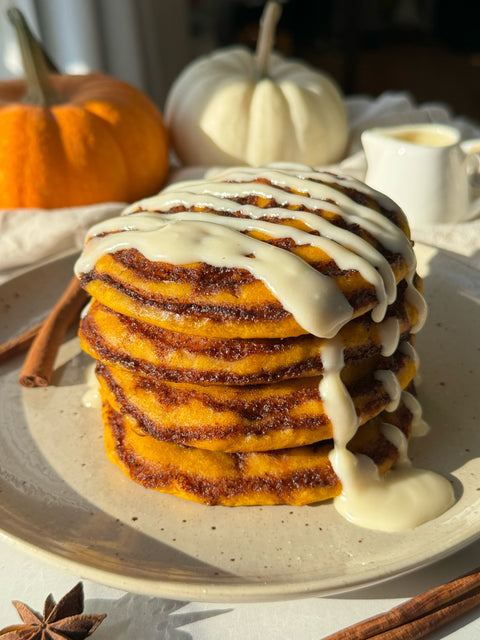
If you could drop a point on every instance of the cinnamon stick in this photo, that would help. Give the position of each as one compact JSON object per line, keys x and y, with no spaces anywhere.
{"x":19,"y":343}
{"x":420,"y":615}
{"x":38,"y":366}
{"x":420,"y":627}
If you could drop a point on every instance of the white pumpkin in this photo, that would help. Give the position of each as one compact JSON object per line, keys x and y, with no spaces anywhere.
{"x":226,"y":109}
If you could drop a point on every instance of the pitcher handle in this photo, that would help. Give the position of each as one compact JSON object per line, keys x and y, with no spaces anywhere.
{"x":471,"y":148}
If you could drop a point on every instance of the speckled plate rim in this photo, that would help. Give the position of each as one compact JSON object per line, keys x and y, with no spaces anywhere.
{"x":233,"y":593}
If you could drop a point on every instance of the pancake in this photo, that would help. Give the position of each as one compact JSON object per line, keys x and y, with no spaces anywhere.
{"x":295,"y":476}
{"x":312,"y":233}
{"x":251,"y":418}
{"x":119,"y":340}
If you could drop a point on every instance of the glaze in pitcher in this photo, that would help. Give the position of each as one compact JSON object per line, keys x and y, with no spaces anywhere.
{"x":426,"y":169}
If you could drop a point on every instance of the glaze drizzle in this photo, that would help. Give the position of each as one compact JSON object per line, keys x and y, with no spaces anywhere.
{"x":210,"y":222}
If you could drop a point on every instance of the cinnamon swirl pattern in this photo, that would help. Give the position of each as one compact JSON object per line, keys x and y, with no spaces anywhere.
{"x":250,"y":330}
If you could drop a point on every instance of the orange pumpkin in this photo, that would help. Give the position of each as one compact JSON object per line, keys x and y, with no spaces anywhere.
{"x":75,"y":140}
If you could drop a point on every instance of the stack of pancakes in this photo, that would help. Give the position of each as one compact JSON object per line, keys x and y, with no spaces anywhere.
{"x":235,"y":318}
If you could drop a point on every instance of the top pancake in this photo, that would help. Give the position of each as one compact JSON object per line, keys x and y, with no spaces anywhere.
{"x":275,"y":252}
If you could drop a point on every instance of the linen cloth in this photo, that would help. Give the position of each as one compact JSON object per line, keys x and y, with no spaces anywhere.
{"x":29,"y":236}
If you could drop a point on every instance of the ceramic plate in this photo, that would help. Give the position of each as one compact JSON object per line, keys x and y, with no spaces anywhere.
{"x":61,"y":498}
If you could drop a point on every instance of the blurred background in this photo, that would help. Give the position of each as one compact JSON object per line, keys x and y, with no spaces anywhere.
{"x":430,"y":48}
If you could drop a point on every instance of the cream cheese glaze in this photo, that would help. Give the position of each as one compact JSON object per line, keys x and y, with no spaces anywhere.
{"x":405,"y":497}
{"x":391,"y":385}
{"x":91,"y":397}
{"x":389,"y":335}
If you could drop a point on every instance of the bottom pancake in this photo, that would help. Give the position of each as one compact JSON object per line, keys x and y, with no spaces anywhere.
{"x":296,"y":476}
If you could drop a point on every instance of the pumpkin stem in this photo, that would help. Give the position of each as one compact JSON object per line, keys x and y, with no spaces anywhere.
{"x":36,"y":63}
{"x":266,"y":37}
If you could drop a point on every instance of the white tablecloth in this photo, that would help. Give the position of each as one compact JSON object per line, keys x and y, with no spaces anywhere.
{"x":26,"y":578}
{"x":133,"y":617}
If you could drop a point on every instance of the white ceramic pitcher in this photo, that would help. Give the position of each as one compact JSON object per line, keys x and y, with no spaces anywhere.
{"x":426,"y":169}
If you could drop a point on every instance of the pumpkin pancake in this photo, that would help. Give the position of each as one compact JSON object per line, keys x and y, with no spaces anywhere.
{"x":119,"y":340}
{"x":313,"y":231}
{"x":296,"y":476}
{"x":250,"y":418}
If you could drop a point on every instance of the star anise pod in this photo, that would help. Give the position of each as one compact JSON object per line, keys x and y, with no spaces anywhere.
{"x":61,"y":621}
